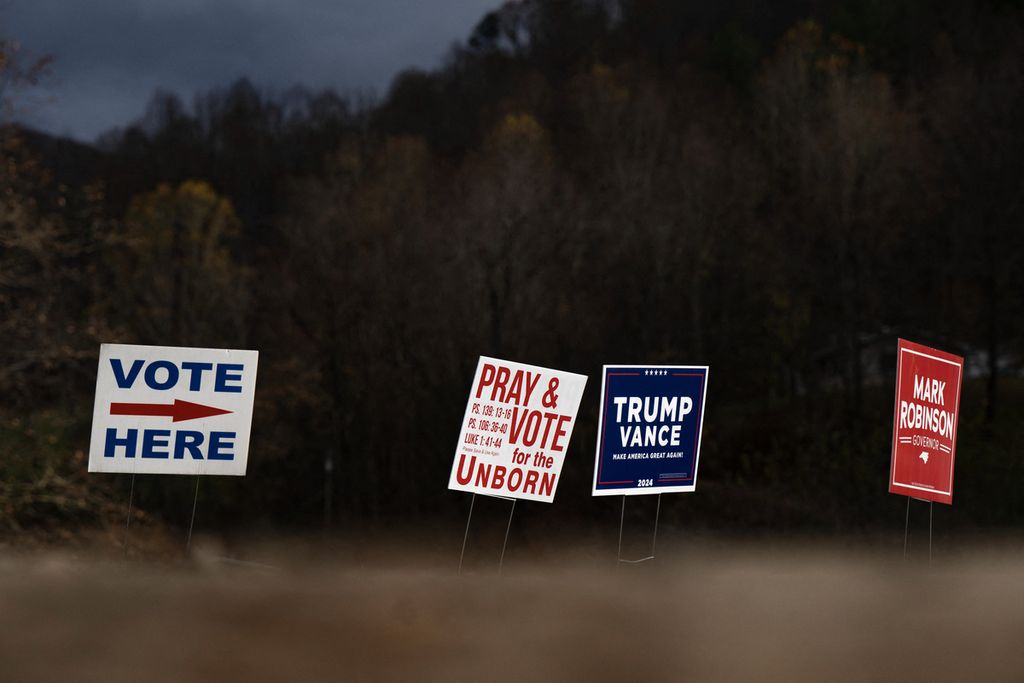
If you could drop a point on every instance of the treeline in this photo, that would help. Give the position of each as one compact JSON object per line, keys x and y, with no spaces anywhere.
{"x":776,"y":190}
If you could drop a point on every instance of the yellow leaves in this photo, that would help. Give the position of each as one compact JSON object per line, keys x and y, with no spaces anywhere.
{"x":601,"y":72}
{"x":804,"y":35}
{"x":393,"y":192}
{"x":830,"y":58}
{"x":832,"y":64}
{"x":192,"y":212}
{"x":519,"y":139}
{"x":405,"y":157}
{"x":184,"y":284}
{"x":197,"y":190}
{"x":519,"y":129}
{"x":847,"y":46}
{"x":608,"y":88}
{"x":788,"y":315}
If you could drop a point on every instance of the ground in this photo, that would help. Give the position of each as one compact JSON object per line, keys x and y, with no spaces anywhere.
{"x":724,"y":613}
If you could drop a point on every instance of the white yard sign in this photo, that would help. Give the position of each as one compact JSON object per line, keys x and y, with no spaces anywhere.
{"x":516,"y":430}
{"x":172,"y":410}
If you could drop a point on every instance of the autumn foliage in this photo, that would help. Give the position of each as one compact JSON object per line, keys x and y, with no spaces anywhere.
{"x":774,"y":194}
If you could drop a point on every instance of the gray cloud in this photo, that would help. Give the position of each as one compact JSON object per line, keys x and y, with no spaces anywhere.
{"x":112,"y":54}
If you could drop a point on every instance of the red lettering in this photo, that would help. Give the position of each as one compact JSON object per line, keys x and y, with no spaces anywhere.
{"x":516,"y":426}
{"x":500,"y":382}
{"x":486,"y":377}
{"x":499,"y":477}
{"x":522,"y":382}
{"x":531,"y":482}
{"x":532,"y":420}
{"x":516,"y":388}
{"x":547,"y":428}
{"x":547,"y":484}
{"x":483,"y":473}
{"x":560,"y":432}
{"x":469,"y":475}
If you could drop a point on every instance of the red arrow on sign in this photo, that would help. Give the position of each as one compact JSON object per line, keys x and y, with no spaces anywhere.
{"x":177,"y":411}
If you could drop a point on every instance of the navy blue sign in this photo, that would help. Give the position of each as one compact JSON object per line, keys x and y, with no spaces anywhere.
{"x":648,"y":438}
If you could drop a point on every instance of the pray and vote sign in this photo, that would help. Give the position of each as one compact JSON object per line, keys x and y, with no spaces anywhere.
{"x":516,"y":430}
{"x":925,"y":422}
{"x":649,"y":430}
{"x":172,"y":410}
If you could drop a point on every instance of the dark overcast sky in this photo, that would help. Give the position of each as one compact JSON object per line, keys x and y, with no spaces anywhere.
{"x":112,"y":54}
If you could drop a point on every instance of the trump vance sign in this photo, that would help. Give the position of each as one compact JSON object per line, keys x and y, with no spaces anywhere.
{"x":649,"y":430}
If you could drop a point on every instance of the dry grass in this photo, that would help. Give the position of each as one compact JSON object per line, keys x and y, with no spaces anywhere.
{"x":730,"y":614}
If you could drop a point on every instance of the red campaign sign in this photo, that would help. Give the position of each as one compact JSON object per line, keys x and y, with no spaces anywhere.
{"x":925,"y":422}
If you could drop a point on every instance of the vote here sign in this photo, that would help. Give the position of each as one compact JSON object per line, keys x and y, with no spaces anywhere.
{"x":649,"y":430}
{"x":924,"y":426}
{"x":172,"y":410}
{"x":516,"y":430}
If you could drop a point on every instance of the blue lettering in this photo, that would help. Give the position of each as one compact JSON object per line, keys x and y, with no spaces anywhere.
{"x":125,"y":381}
{"x":188,"y":441}
{"x":196,"y":373}
{"x":129,"y":442}
{"x":172,"y":375}
{"x":151,"y":440}
{"x":224,"y":375}
{"x":219,"y":440}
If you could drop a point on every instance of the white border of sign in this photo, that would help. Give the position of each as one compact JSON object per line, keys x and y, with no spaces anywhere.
{"x":647,"y":490}
{"x":239,"y":405}
{"x":573,"y":386}
{"x":956,"y":426}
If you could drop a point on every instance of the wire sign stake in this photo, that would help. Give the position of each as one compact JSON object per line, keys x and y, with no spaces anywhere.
{"x":128,"y":520}
{"x":465,"y":536}
{"x":508,"y":527}
{"x":654,"y":539}
{"x":195,"y":501}
{"x":906,"y":528}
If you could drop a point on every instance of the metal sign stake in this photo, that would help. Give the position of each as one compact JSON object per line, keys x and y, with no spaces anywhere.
{"x":188,"y":543}
{"x":654,"y":539}
{"x":466,"y":535}
{"x":622,"y":519}
{"x":501,"y":562}
{"x":906,"y":530}
{"x":906,"y":527}
{"x":128,"y":520}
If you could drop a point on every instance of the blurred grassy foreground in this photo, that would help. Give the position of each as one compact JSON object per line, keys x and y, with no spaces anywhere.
{"x":741,"y":612}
